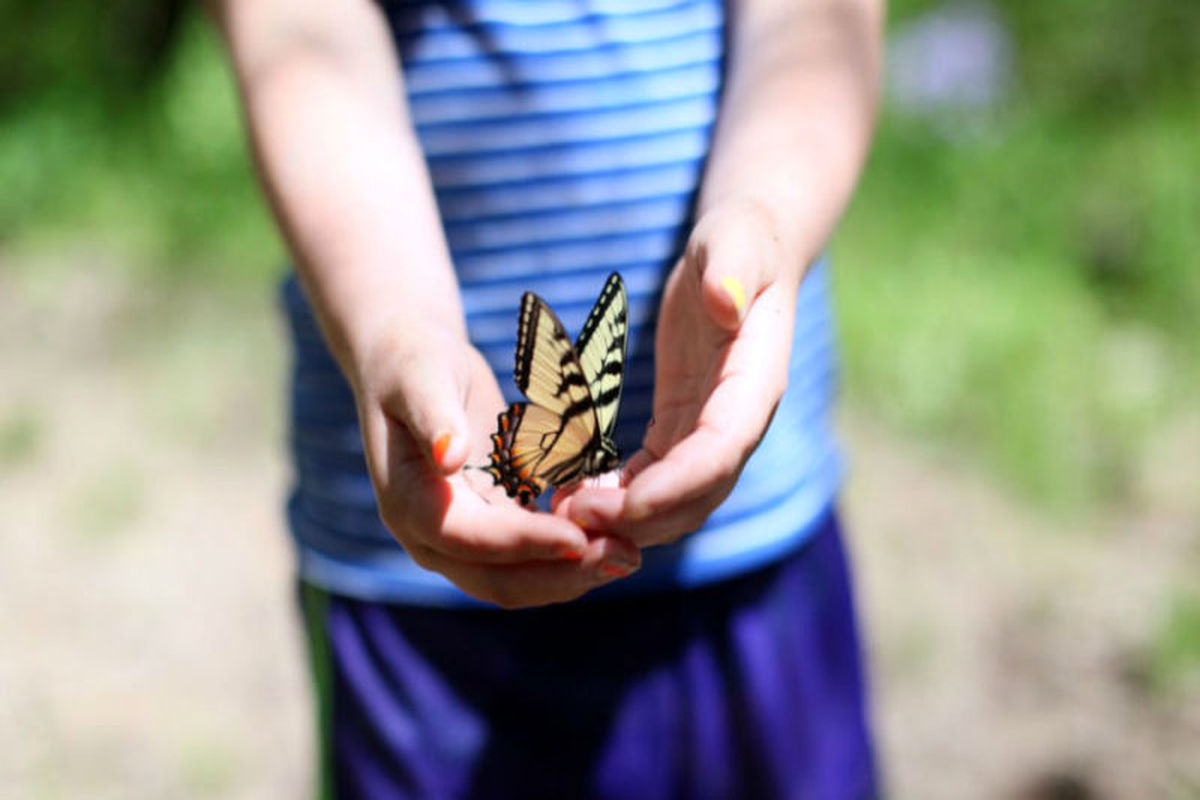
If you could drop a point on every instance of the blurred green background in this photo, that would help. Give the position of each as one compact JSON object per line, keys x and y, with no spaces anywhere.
{"x":997,"y":283}
{"x":1018,"y":276}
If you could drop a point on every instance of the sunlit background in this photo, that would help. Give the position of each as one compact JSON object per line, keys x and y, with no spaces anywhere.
{"x":1019,"y":291}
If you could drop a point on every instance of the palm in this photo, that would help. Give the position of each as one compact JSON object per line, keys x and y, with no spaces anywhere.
{"x":714,"y":388}
{"x":717,"y":381}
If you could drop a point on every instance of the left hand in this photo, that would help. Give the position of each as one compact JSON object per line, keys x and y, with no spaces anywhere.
{"x":721,"y":351}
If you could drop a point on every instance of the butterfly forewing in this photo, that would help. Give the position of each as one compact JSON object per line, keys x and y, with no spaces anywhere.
{"x":547,"y":369}
{"x":601,"y":349}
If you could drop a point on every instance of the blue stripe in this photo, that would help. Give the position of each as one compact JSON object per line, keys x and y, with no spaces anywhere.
{"x":546,"y":214}
{"x":629,"y":224}
{"x":601,"y":91}
{"x":430,"y":122}
{"x":690,"y":59}
{"x":539,"y":139}
{"x":632,"y":254}
{"x":562,"y":189}
{"x":466,"y":175}
{"x":436,"y":20}
{"x":578,"y":149}
{"x":528,"y":77}
{"x":545,"y":43}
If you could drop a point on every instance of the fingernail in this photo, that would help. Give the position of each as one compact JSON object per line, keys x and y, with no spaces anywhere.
{"x":737,"y":293}
{"x":616,"y":568}
{"x":572,"y":555}
{"x":440,"y":445}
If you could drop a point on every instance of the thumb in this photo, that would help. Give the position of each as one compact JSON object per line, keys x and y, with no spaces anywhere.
{"x":429,"y":399}
{"x":728,"y":256}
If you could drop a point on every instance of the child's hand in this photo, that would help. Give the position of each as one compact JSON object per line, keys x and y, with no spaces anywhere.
{"x":721,"y":352}
{"x":426,"y":409}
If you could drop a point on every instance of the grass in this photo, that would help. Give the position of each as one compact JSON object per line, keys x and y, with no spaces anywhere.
{"x":1028,"y":293}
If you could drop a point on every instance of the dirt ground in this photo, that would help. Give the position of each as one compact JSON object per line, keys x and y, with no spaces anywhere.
{"x":153,"y":649}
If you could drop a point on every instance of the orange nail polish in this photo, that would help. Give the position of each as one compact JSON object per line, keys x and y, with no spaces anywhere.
{"x":572,"y":555}
{"x":613,"y":571}
{"x":440,"y":445}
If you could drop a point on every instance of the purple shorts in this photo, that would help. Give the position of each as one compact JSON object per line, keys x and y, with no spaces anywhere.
{"x":748,"y":688}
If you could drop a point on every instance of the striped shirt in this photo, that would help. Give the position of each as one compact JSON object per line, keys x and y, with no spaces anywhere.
{"x":565,"y":140}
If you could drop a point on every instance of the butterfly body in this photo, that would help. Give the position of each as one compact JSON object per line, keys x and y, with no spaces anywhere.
{"x":564,"y":432}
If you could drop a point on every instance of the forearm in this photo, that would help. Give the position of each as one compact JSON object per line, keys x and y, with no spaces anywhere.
{"x":339,"y":161}
{"x":797,"y":116}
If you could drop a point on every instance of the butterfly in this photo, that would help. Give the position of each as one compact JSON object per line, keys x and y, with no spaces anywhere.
{"x":564,"y":433}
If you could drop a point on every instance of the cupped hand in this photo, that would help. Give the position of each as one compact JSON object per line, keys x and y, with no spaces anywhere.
{"x":426,"y":407}
{"x":721,"y":351}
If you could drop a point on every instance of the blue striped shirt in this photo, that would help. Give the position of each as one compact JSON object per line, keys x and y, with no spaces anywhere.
{"x":565,"y":140}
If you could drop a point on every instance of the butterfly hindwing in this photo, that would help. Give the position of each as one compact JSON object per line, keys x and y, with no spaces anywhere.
{"x":601,"y":347}
{"x":534,"y":448}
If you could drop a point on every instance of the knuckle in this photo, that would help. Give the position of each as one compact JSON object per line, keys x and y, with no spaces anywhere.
{"x":505,"y":594}
{"x":421,"y":555}
{"x":726,"y":470}
{"x":393,"y":513}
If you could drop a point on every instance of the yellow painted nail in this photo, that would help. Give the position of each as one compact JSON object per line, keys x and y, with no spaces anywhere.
{"x":736,"y":292}
{"x":440,"y":445}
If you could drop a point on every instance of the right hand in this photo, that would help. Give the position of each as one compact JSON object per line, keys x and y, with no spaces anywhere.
{"x":427,"y":406}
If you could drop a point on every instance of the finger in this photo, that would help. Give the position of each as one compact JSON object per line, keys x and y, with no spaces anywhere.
{"x":538,"y":583}
{"x":429,"y":399}
{"x":728,"y":257}
{"x":503,"y":533}
{"x":705,"y":461}
{"x":593,"y":509}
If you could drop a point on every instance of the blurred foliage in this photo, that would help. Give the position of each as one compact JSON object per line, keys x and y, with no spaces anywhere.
{"x":1096,"y":58}
{"x":1030,"y":291}
{"x":1176,"y":654}
{"x":1033,"y":293}
{"x":46,"y":50}
{"x":141,"y":153}
{"x":22,"y":430}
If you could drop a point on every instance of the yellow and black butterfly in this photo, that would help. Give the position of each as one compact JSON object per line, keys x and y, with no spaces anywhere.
{"x":564,"y":433}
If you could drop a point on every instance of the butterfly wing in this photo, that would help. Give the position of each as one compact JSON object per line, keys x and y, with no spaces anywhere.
{"x":549,"y":440}
{"x":534,"y":448}
{"x":601,"y":348}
